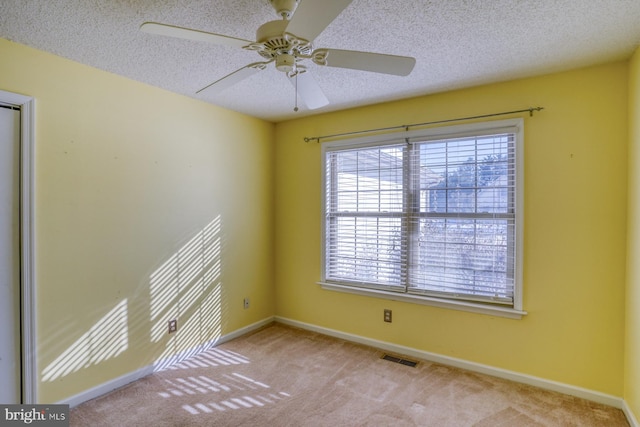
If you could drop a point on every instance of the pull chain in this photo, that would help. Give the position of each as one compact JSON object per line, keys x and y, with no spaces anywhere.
{"x":296,"y":106}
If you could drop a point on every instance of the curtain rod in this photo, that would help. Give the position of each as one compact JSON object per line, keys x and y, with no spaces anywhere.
{"x":406,"y":127}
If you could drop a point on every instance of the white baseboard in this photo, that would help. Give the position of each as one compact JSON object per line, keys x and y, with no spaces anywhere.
{"x":147,"y":370}
{"x":104,"y":388}
{"x":633,"y":421}
{"x":583,"y":393}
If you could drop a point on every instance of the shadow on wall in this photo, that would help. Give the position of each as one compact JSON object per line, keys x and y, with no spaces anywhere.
{"x":104,"y":340}
{"x":186,"y":287}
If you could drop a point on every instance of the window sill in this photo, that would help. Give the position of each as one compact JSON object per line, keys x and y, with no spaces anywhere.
{"x":509,"y":313}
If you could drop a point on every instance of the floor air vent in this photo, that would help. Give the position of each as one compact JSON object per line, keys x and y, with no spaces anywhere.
{"x":400,"y":361}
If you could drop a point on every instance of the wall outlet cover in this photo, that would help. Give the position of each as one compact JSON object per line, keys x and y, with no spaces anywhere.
{"x":173,"y":325}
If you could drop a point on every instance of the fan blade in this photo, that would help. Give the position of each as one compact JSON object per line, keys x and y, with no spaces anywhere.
{"x":365,"y":61}
{"x":309,"y":91}
{"x":313,"y":16}
{"x":233,"y":78}
{"x":188,"y":34}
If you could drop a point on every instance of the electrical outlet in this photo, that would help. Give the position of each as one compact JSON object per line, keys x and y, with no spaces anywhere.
{"x":173,"y":325}
{"x":387,"y":315}
{"x":246,"y":303}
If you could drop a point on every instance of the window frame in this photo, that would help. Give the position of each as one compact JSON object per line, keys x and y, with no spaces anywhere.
{"x":514,"y":126}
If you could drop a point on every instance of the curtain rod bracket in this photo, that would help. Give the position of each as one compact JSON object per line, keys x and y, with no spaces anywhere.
{"x":532,"y":109}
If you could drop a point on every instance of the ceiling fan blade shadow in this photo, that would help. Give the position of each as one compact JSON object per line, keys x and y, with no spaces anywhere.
{"x":309,"y":90}
{"x":312,"y":17}
{"x":189,"y":34}
{"x":233,"y":78}
{"x":365,"y":61}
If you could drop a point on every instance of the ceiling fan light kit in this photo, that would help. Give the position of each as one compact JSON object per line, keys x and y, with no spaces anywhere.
{"x":285,"y":63}
{"x":288,"y":43}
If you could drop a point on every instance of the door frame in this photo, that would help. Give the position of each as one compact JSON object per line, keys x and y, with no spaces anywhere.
{"x":29,"y":377}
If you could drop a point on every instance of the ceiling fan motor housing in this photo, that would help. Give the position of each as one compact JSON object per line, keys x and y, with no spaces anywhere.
{"x":272,"y":42}
{"x":271,"y":30}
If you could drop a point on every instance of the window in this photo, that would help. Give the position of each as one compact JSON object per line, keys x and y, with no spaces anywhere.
{"x":433,"y":215}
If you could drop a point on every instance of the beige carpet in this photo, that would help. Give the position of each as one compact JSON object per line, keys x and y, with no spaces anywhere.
{"x":282,"y":376}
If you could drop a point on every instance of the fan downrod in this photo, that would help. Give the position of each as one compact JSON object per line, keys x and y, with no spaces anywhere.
{"x":285,"y":8}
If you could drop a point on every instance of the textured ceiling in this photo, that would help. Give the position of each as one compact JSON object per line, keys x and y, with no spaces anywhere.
{"x":457,"y":43}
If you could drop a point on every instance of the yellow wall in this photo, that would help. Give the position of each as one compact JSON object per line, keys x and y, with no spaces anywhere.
{"x":132,"y":180}
{"x":134,"y":183}
{"x":574,"y":233}
{"x":632,"y":353}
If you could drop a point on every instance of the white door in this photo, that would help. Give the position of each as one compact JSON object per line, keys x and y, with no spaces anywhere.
{"x":10,"y":343}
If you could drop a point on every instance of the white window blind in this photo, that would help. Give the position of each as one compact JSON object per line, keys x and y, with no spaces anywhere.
{"x":366,"y":216}
{"x":463,"y":218}
{"x":431,"y":216}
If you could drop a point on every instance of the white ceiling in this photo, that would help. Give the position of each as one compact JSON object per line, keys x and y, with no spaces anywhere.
{"x":457,"y":43}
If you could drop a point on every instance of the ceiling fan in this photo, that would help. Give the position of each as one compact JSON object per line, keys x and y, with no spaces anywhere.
{"x":288,"y":43}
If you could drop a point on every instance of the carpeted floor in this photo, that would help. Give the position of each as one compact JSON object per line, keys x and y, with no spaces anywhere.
{"x":283,"y":376}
